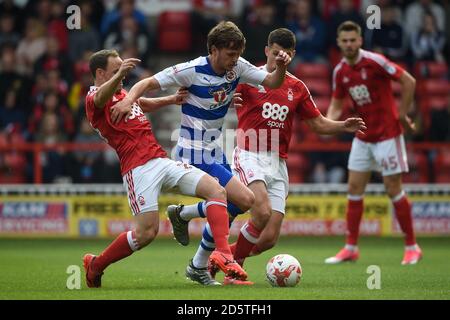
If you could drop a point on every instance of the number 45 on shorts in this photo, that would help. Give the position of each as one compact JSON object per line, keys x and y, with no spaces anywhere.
{"x":389,"y":163}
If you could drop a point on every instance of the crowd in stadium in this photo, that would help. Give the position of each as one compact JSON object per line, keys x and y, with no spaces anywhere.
{"x":44,"y":71}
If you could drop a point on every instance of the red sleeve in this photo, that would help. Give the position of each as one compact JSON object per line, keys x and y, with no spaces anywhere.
{"x":387,"y":68}
{"x":90,"y":100}
{"x":306,"y":108}
{"x":338,"y":88}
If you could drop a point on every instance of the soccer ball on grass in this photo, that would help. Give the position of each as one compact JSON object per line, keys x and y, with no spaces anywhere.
{"x":283,"y":270}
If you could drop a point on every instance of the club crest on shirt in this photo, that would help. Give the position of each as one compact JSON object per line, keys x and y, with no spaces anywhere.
{"x":363,"y":74}
{"x":345,"y":80}
{"x":230,"y":76}
{"x":141,"y":200}
{"x":250,"y":173}
{"x":290,"y":94}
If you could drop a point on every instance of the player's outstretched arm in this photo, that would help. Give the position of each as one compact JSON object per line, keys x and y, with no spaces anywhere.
{"x":153,"y":104}
{"x":322,"y":125}
{"x":275,"y":79}
{"x":106,"y":91}
{"x":335,"y":109}
{"x":408,"y":86}
{"x":123,"y":107}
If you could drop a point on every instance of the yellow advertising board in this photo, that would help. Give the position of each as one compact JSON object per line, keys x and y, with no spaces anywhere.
{"x":109,"y":215}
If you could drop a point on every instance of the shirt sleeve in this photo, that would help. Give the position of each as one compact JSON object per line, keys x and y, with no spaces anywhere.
{"x":90,"y":100}
{"x":388,"y":68}
{"x":338,"y":88}
{"x":306,"y":108}
{"x":179,"y":75}
{"x":249,"y":73}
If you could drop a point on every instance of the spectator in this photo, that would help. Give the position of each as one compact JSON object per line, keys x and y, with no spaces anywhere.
{"x":85,"y":162}
{"x":11,"y":80}
{"x":415,"y":12}
{"x":52,"y":104}
{"x":127,"y":33}
{"x":428,"y":43}
{"x":32,"y":46}
{"x":126,"y":8}
{"x":57,"y":25}
{"x":10,"y":112}
{"x":205,"y":15}
{"x":259,"y":22}
{"x":8,"y":35}
{"x":310,"y":34}
{"x":329,"y":7}
{"x":85,"y":39}
{"x":53,"y":59}
{"x":344,"y":11}
{"x":390,"y":39}
{"x":52,"y":162}
{"x":9,"y":8}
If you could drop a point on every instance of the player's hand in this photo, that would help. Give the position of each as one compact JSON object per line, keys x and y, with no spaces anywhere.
{"x":282,"y":59}
{"x":236,"y":101}
{"x":355,"y":125}
{"x":120,"y":109}
{"x":407,"y":123}
{"x":127,"y":65}
{"x":180,"y":96}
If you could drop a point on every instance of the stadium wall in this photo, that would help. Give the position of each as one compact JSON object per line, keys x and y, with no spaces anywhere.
{"x":77,"y":211}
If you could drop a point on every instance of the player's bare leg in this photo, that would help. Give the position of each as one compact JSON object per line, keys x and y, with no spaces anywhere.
{"x":259,"y":216}
{"x":357,"y":182}
{"x":394,"y":189}
{"x":125,"y":244}
{"x":239,"y":194}
{"x":216,"y":213}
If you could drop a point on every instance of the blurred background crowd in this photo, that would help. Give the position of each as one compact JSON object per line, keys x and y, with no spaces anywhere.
{"x":44,"y":74}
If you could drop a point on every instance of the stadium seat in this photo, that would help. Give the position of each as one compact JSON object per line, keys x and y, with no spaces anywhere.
{"x":174,"y":31}
{"x":297,"y":165}
{"x":433,"y":87}
{"x":430,"y":70}
{"x":306,"y":71}
{"x":319,"y":87}
{"x":322,"y":103}
{"x":418,"y":168}
{"x":442,"y":167}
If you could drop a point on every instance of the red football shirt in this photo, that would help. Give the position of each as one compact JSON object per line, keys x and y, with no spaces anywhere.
{"x":368,"y":82}
{"x":266,"y":116}
{"x":132,"y":138}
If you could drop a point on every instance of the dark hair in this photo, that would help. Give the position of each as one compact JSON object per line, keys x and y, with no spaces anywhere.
{"x":100,"y":60}
{"x":349,"y":26}
{"x":285,"y":38}
{"x":226,"y":35}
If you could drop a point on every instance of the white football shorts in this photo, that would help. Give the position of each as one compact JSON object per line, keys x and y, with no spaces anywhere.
{"x":388,"y":156}
{"x":144,"y":183}
{"x":267,"y":167}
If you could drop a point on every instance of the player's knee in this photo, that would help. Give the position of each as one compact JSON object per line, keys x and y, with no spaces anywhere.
{"x":145,"y":237}
{"x":261,"y":216}
{"x":217,"y":192}
{"x":393,"y":187}
{"x":247,"y":200}
{"x":354,"y":188}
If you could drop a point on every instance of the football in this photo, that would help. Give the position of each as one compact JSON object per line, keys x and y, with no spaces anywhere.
{"x":283,"y":270}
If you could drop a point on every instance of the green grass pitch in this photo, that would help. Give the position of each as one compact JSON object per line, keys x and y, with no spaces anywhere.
{"x":36,"y":269}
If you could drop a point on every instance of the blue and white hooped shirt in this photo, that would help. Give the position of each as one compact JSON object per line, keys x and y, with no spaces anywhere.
{"x":209,"y":97}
